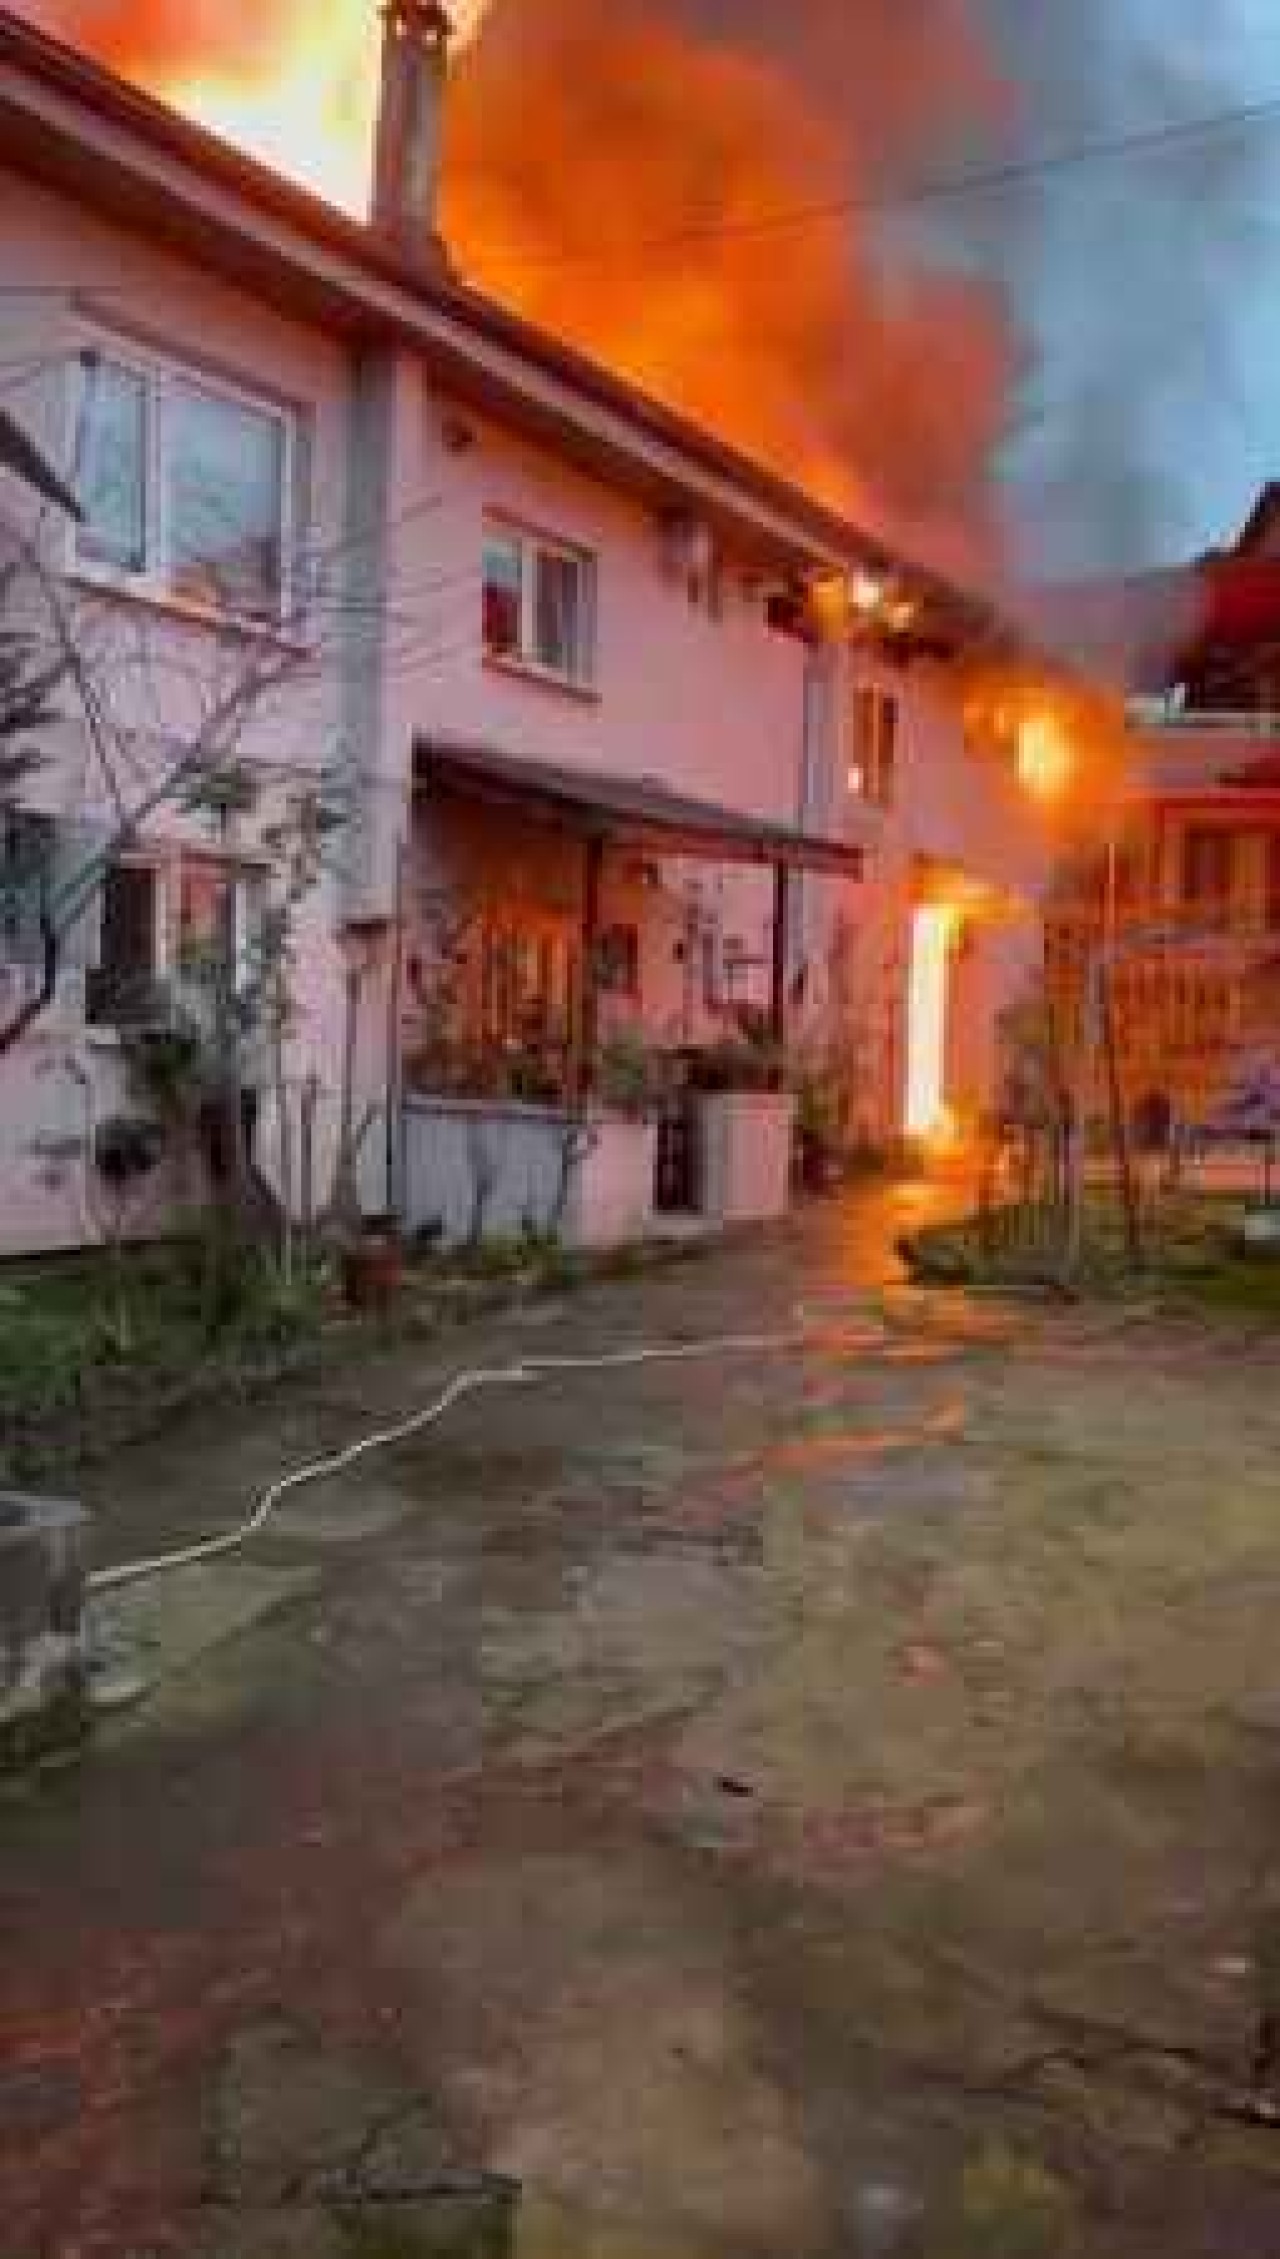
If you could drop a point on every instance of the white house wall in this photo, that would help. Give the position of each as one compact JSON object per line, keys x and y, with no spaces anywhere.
{"x":90,"y":283}
{"x":399,"y":478}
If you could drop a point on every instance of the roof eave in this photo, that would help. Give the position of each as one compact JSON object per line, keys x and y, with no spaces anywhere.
{"x":73,"y":128}
{"x":639,"y":815}
{"x":66,"y":122}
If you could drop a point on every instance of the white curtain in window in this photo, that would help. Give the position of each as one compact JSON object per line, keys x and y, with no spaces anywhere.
{"x":558,"y":625}
{"x":225,"y":474}
{"x":111,"y":452}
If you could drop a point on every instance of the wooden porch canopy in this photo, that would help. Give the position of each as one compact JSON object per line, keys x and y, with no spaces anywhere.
{"x":633,"y":812}
{"x":645,"y":816}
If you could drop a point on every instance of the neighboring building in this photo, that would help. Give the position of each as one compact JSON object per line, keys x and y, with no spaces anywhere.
{"x":1188,"y":889}
{"x":640,"y":735}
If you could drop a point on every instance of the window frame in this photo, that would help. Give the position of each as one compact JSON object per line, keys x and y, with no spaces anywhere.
{"x":105,"y":1022}
{"x":873,"y":760}
{"x":532,"y":546}
{"x":248,"y":879}
{"x":163,"y":377}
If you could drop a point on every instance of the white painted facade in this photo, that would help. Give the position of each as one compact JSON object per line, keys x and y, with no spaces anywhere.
{"x":394,"y":473}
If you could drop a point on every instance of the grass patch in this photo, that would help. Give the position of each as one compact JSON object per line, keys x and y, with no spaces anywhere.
{"x":86,"y":1340}
{"x":1191,"y":1255}
{"x":98,"y":1351}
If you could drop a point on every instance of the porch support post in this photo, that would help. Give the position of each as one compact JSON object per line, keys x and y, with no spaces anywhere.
{"x":781,"y":921}
{"x":590,"y":1025}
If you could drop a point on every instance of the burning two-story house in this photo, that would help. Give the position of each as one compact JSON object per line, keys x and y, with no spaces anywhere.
{"x":640,"y":740}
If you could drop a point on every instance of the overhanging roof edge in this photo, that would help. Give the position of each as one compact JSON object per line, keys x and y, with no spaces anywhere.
{"x":629,"y":811}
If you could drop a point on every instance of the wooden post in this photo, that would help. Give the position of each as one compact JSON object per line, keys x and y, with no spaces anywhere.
{"x":1119,"y":1124}
{"x":589,"y":1034}
{"x":394,"y":1100}
{"x":781,"y":920}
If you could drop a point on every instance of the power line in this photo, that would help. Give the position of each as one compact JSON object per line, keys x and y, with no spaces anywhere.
{"x":1154,"y":141}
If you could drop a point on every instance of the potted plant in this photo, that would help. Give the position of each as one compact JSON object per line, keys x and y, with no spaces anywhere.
{"x":630,"y":1077}
{"x":746,"y":1117}
{"x":373,"y":1264}
{"x":818,"y":1132}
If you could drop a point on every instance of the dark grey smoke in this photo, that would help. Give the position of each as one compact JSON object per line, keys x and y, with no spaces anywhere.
{"x":1149,"y":408}
{"x":1152,"y":406}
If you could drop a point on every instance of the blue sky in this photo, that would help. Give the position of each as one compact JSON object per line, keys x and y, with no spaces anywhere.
{"x":1151,"y":288}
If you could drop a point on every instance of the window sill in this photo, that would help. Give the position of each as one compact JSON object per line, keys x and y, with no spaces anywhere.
{"x":542,"y":678}
{"x":151,"y":596}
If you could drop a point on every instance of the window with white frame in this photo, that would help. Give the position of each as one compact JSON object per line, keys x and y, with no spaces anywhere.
{"x":221,"y":907}
{"x":539,"y":604}
{"x":185,"y":485}
{"x":172,"y":917}
{"x":873,"y":753}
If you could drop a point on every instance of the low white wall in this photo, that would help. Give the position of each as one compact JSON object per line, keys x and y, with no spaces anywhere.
{"x":50,"y":1198}
{"x":499,"y":1168}
{"x":746,"y":1155}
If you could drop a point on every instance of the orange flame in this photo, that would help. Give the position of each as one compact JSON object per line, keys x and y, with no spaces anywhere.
{"x":933,"y":934}
{"x":624,"y":174}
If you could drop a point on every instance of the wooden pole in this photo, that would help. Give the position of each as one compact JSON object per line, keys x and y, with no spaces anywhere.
{"x":395,"y":1079}
{"x":778,"y":986}
{"x":589,"y":1038}
{"x":1119,"y":1126}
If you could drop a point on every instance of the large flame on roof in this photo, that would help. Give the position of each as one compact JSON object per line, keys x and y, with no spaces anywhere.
{"x":627,"y":173}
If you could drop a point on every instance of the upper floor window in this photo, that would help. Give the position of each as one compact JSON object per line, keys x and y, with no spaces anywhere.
{"x":873,"y":757}
{"x":539,"y":605}
{"x":185,"y":486}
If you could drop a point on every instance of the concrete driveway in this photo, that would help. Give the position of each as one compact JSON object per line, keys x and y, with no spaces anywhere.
{"x":815,"y":1803}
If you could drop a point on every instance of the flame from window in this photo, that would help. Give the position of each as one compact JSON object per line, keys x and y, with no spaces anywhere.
{"x":933,"y":931}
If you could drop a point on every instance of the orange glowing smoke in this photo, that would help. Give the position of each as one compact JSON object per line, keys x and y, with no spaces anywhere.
{"x":614,"y":169}
{"x":1065,"y":741}
{"x":295,"y":82}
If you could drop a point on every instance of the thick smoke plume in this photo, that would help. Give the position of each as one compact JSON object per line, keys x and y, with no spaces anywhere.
{"x":600,"y":146}
{"x":627,"y":174}
{"x":1146,"y":418}
{"x":622,"y":186}
{"x":161,"y":36}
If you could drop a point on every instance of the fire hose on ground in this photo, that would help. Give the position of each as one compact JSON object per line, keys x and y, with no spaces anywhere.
{"x":525,"y":1372}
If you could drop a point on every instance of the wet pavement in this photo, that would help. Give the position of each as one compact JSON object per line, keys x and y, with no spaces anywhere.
{"x":815,"y":1802}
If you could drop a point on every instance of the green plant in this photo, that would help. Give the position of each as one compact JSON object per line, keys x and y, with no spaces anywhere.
{"x":532,"y":1077}
{"x":818,"y":1109}
{"x":630,"y":1076}
{"x":1012,"y":2207}
{"x":127,"y":1148}
{"x":738,"y":1064}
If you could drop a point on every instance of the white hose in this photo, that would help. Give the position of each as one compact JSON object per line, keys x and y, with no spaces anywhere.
{"x":526,"y":1372}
